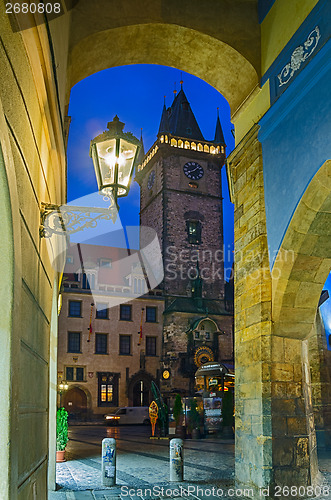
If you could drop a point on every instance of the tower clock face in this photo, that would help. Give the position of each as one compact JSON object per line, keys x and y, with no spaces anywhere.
{"x":151,"y":179}
{"x":193,"y":170}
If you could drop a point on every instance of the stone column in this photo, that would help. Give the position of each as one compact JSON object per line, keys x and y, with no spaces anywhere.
{"x":320,"y":364}
{"x":272,"y":440}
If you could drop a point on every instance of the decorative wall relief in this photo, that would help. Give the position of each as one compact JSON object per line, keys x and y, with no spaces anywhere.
{"x":299,"y":56}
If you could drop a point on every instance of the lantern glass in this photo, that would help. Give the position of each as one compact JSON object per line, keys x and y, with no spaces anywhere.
{"x":105,"y":162}
{"x":114,"y":153}
{"x":127,"y":153}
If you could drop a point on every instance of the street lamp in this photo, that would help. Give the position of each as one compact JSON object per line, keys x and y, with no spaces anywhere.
{"x":63,"y":386}
{"x":114,"y":154}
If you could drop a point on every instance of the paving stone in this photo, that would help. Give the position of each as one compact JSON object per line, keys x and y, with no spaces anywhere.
{"x":141,"y":464}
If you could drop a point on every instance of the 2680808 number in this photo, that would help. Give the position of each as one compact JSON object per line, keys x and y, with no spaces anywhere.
{"x":302,"y":491}
{"x":33,"y":8}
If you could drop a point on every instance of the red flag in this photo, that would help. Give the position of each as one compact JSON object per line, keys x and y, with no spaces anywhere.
{"x":141,"y":327}
{"x":90,"y":326}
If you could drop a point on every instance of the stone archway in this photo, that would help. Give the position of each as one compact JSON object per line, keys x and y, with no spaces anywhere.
{"x":139,"y":389}
{"x":303,"y":261}
{"x":77,"y":402}
{"x":190,"y":51}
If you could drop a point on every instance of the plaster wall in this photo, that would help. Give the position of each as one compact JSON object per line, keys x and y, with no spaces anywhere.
{"x":34,"y":173}
{"x":280,"y":24}
{"x":296,"y":141}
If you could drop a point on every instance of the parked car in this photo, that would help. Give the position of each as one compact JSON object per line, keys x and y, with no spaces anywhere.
{"x":129,"y":415}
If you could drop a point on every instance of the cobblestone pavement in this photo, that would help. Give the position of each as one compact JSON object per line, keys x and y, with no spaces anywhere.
{"x":143,"y":464}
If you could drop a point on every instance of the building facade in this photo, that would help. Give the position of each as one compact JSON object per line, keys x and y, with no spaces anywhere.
{"x":110,"y":342}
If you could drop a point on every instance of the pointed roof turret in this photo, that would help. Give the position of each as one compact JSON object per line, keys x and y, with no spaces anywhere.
{"x":219,"y":137}
{"x":182,"y":121}
{"x":164,"y":123}
{"x":141,"y":153}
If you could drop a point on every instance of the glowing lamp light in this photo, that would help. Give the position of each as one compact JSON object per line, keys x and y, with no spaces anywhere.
{"x":114,"y":154}
{"x":63,"y":386}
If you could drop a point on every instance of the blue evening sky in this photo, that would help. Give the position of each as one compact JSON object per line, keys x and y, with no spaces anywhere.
{"x":136,"y":94}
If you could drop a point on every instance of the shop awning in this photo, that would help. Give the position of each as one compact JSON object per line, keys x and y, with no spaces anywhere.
{"x":212,"y":369}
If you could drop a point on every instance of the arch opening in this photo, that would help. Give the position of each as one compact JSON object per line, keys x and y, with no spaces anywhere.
{"x":303,"y":262}
{"x":231,"y":73}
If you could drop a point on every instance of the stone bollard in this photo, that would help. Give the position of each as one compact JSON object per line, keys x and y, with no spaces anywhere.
{"x":176,"y":460}
{"x":108,"y":464}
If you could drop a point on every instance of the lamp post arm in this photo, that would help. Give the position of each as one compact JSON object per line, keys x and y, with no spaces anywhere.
{"x":68,"y":219}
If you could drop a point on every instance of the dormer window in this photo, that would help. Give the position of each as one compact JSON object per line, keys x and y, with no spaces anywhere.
{"x":105,"y":263}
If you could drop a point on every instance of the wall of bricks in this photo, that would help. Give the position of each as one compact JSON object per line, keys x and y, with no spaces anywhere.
{"x":275,"y":438}
{"x":320,"y":366}
{"x":169,"y":204}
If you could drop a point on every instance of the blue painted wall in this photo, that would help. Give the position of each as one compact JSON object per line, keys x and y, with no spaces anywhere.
{"x":296,"y":140}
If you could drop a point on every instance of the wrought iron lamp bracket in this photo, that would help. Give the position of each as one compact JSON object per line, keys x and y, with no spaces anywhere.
{"x":67,"y":219}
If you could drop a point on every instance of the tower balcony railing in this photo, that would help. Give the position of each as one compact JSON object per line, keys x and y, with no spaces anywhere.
{"x":181,"y":143}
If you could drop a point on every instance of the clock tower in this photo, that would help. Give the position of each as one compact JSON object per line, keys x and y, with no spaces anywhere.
{"x":181,"y":199}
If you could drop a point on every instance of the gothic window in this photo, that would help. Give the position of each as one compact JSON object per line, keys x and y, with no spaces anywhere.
{"x":150,"y":314}
{"x":101,"y":341}
{"x":105,"y":263}
{"x":88,"y":281}
{"x":102,"y":311}
{"x":75,"y":373}
{"x":125,"y":312}
{"x":125,"y":345}
{"x":75,"y":308}
{"x":139,"y":285}
{"x":107,"y":389}
{"x":150,"y":346}
{"x":74,"y":342}
{"x":194,"y":231}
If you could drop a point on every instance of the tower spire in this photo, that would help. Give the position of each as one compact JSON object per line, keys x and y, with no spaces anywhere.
{"x":175,"y":91}
{"x":164,"y":123}
{"x":141,"y":153}
{"x":219,"y":137}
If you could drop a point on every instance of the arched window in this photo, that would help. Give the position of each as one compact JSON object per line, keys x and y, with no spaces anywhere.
{"x":173,"y":142}
{"x":180,"y":143}
{"x":206,"y":148}
{"x":187,"y":145}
